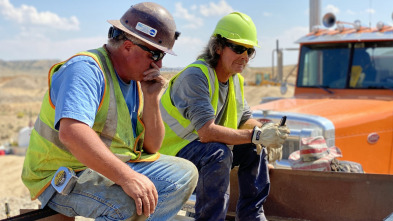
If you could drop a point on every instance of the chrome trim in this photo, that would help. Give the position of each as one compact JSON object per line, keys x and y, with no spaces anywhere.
{"x":321,"y":126}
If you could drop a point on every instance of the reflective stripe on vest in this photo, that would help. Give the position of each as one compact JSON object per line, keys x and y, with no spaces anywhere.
{"x":43,"y":158}
{"x":110,"y":126}
{"x":182,"y":127}
{"x":187,"y":133}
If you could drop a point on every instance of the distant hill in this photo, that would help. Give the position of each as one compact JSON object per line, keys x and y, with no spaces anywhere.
{"x":26,"y":67}
{"x":41,"y":67}
{"x":34,"y":67}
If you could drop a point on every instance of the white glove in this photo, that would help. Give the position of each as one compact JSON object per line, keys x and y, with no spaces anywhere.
{"x":259,"y":148}
{"x":274,"y":154}
{"x":270,"y":135}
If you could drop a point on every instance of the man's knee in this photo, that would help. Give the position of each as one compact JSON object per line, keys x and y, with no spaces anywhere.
{"x":221,"y":153}
{"x":93,"y":202}
{"x":189,"y":170}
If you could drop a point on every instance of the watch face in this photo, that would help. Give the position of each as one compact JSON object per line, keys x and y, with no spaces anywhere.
{"x":60,"y":178}
{"x":258,"y":135}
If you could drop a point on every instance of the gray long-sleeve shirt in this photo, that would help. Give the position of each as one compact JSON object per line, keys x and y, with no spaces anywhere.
{"x":190,"y":94}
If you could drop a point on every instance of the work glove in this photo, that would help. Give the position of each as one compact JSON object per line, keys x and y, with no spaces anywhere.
{"x":259,"y":148}
{"x":270,"y":135}
{"x":274,"y":154}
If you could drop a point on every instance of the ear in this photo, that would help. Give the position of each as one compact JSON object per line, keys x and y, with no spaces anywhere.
{"x":219,"y":50}
{"x":127,"y":45}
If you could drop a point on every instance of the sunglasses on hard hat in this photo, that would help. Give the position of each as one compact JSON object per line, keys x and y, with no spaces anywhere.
{"x":240,"y":49}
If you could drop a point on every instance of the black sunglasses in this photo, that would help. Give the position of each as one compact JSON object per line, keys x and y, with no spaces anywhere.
{"x":239,"y":49}
{"x":116,"y":33}
{"x":155,"y":55}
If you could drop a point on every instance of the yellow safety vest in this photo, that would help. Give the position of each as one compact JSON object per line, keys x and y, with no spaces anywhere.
{"x":178,"y":130}
{"x":46,"y":153}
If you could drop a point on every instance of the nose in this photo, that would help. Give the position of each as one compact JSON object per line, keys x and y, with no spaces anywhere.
{"x":158,"y":63}
{"x":244,"y":55}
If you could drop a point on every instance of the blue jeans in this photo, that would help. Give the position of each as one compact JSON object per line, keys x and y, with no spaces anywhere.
{"x":95,"y":196}
{"x":214,"y":162}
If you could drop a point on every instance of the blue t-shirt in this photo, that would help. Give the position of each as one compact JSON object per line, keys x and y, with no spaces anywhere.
{"x":77,"y":89}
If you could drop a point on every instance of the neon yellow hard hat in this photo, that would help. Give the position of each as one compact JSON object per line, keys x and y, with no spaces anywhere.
{"x":237,"y":27}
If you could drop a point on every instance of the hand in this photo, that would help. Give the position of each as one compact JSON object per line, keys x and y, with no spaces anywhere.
{"x":144,"y":193}
{"x":153,"y":81}
{"x":259,"y":148}
{"x":270,"y":135}
{"x":283,"y":129}
{"x":274,"y":154}
{"x":270,"y":166}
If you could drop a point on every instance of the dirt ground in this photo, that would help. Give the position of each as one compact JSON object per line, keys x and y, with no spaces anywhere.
{"x":20,"y":101}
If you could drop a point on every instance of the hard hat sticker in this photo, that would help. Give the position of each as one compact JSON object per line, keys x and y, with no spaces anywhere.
{"x":146,"y":29}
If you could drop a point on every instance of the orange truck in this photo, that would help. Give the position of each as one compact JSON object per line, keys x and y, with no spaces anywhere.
{"x":344,"y":92}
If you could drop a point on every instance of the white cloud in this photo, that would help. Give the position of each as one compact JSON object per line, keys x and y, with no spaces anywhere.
{"x":213,"y":9}
{"x":183,"y":13}
{"x":370,"y":11}
{"x":194,"y":7}
{"x":193,"y":16}
{"x":333,"y":9}
{"x":28,"y":15}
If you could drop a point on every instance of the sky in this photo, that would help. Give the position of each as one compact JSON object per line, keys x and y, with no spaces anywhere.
{"x":57,"y":29}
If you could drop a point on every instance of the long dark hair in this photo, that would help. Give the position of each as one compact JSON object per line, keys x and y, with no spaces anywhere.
{"x":210,"y":52}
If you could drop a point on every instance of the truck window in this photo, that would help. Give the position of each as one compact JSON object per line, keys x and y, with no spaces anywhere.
{"x":349,"y":65}
{"x":324,"y":66}
{"x":375,"y":60}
